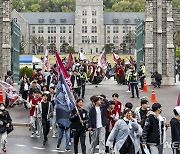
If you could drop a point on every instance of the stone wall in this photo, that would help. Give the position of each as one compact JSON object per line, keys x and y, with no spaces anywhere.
{"x":159,"y":48}
{"x":5,"y":37}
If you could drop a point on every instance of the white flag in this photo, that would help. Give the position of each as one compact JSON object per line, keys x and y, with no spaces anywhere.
{"x":82,"y":56}
{"x":46,"y":60}
{"x":102,"y":61}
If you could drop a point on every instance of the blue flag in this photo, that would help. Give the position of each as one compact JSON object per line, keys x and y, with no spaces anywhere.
{"x":64,"y":101}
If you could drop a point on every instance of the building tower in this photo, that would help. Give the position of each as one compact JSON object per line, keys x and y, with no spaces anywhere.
{"x":89,"y":26}
{"x":159,"y":48}
{"x":5,"y":37}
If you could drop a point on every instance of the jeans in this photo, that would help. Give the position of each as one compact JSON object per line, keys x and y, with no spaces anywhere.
{"x":142,"y":83}
{"x":82,"y":136}
{"x":98,"y":134}
{"x":156,"y":149}
{"x":3,"y":138}
{"x":60,"y":136}
{"x":83,"y":90}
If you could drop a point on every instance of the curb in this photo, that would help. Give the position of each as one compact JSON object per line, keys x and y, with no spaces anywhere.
{"x":21,"y":124}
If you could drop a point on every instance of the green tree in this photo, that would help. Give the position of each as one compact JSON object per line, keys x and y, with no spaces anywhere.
{"x":108,"y":47}
{"x":122,"y":6}
{"x":64,"y":47}
{"x":176,"y":3}
{"x":70,"y":49}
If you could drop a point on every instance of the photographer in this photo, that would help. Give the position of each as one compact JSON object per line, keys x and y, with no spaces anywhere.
{"x":158,"y":77}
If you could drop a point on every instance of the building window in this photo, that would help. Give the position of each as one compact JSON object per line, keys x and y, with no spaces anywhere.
{"x":70,"y":29}
{"x":81,"y":49}
{"x":124,"y":29}
{"x":84,"y":20}
{"x":54,"y":30}
{"x":84,"y":29}
{"x":84,"y":13}
{"x":33,"y":30}
{"x":70,"y":39}
{"x":63,"y":29}
{"x":115,"y":39}
{"x":93,"y":12}
{"x":51,"y":39}
{"x":94,"y":29}
{"x":93,"y":20}
{"x":40,"y":49}
{"x":97,"y":50}
{"x":108,"y":29}
{"x":51,"y":29}
{"x":40,"y":29}
{"x":94,"y":39}
{"x":84,"y":39}
{"x":62,"y":39}
{"x":108,"y":39}
{"x":115,"y":29}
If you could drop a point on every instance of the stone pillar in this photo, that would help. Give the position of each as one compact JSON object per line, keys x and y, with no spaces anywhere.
{"x":5,"y":37}
{"x":159,"y":48}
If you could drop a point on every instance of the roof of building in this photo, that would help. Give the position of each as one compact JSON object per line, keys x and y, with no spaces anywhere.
{"x":123,"y":18}
{"x":36,"y":18}
{"x":68,"y":18}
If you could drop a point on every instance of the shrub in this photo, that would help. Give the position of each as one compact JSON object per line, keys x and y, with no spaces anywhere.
{"x":25,"y":70}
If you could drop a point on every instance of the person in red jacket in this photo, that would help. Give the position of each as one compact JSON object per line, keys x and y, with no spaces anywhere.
{"x":118,"y":108}
{"x":33,"y":111}
{"x":120,"y":74}
{"x":111,"y":121}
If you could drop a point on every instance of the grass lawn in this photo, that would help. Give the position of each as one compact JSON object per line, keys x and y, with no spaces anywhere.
{"x":89,"y":57}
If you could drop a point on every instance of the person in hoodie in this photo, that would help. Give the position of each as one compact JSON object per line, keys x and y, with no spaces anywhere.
{"x":175,"y":130}
{"x":126,"y":134}
{"x":153,"y":131}
{"x":79,"y":121}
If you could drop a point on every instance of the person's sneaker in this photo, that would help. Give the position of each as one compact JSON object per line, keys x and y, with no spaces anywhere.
{"x":54,"y":136}
{"x":57,"y":147}
{"x":50,"y":128}
{"x":32,"y":135}
{"x":38,"y":136}
{"x":128,"y":91}
{"x":132,"y":97}
{"x":68,"y":150}
{"x":44,"y":142}
{"x":97,"y":147}
{"x":4,"y":150}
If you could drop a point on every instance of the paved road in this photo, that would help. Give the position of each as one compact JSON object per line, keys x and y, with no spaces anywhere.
{"x":20,"y":142}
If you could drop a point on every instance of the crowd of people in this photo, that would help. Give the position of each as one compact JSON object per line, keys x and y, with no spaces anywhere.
{"x":113,"y":126}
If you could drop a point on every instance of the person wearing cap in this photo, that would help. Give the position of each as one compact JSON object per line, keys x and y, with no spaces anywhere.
{"x":45,"y":112}
{"x":50,"y":78}
{"x":76,"y":82}
{"x":175,"y":130}
{"x":96,"y":125}
{"x":153,"y":131}
{"x":5,"y":123}
{"x":32,"y":105}
{"x":142,"y":112}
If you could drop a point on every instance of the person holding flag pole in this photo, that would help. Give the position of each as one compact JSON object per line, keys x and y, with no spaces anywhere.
{"x":64,"y":104}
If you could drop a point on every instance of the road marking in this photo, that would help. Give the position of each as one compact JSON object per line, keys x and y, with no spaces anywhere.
{"x":57,"y":151}
{"x":38,"y":148}
{"x":19,"y":145}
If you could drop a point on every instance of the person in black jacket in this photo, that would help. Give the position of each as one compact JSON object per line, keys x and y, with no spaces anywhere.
{"x":78,"y":126}
{"x":153,"y":130}
{"x":24,"y":90}
{"x":50,"y":78}
{"x":96,"y":125}
{"x":5,"y":123}
{"x":175,"y":130}
{"x":76,"y":82}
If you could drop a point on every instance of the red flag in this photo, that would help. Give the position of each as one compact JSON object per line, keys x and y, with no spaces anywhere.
{"x":116,"y":57}
{"x":70,"y":61}
{"x":132,"y":60}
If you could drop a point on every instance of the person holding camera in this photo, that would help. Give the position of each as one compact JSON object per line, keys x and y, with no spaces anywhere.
{"x":158,"y":77}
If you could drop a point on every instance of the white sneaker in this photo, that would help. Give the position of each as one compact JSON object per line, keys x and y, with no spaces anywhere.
{"x":128,"y":91}
{"x":97,"y":147}
{"x":32,"y":135}
{"x":50,"y":128}
{"x":54,"y":136}
{"x":38,"y":136}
